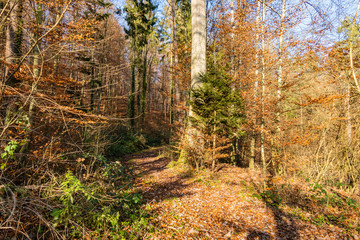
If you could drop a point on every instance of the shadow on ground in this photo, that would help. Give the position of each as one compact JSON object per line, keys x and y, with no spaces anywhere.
{"x":156,"y":187}
{"x":168,"y":190}
{"x":149,"y":163}
{"x":286,"y":227}
{"x":258,"y":235}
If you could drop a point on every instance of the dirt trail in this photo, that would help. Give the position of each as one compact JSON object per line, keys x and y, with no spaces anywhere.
{"x":213,"y":206}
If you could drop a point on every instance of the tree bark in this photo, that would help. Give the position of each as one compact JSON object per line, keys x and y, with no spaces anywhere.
{"x":131,"y":108}
{"x":263,"y":68}
{"x":256,"y":90}
{"x":11,"y":36}
{"x":351,"y":48}
{"x":280,"y":68}
{"x":173,"y":62}
{"x":144,"y":89}
{"x":198,"y":55}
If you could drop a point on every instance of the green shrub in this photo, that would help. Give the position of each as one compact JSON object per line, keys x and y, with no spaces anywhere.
{"x":125,"y":144}
{"x":98,"y":209}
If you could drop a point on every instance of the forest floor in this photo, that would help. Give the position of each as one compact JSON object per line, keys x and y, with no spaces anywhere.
{"x":221,"y":205}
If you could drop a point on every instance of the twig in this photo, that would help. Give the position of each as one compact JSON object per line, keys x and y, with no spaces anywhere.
{"x":37,"y":41}
{"x":13,"y":209}
{"x":16,"y":230}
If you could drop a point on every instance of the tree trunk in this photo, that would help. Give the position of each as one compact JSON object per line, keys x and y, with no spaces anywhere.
{"x":131,"y":107}
{"x":256,"y":85}
{"x":144,"y":89}
{"x":13,"y":36}
{"x":235,"y":145}
{"x":263,"y":68}
{"x":280,"y":68}
{"x":173,"y":62}
{"x":198,"y":56}
{"x":36,"y":63}
{"x":348,"y":115}
{"x":19,"y":31}
{"x":351,"y":48}
{"x":277,"y":146}
{"x":36,"y":76}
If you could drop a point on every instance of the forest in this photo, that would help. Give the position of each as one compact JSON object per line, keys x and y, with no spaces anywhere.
{"x":179,"y":119}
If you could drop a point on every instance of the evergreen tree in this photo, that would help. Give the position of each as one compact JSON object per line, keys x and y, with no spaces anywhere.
{"x":141,"y":21}
{"x":219,"y":112}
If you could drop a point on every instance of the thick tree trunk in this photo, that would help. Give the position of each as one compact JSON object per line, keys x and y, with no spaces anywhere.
{"x":198,"y":55}
{"x":198,"y":67}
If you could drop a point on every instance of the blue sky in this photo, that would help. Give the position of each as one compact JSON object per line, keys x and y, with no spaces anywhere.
{"x":334,"y":11}
{"x":121,"y":4}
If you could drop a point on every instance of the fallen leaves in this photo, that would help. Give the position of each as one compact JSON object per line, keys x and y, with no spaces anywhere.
{"x":215,"y":205}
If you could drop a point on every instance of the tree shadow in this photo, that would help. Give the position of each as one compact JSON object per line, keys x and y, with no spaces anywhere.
{"x":285,"y":224}
{"x":153,"y":166}
{"x":150,"y":163}
{"x":286,"y":227}
{"x":257,"y":235}
{"x":168,"y":190}
{"x":254,"y":234}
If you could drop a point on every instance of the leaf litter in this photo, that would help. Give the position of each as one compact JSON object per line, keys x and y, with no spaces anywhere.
{"x":221,"y":205}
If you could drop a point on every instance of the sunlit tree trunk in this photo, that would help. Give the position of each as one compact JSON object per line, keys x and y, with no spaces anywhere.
{"x":198,"y":58}
{"x":234,"y":155}
{"x":256,"y":85}
{"x":198,"y":54}
{"x":173,"y":62}
{"x":36,"y":61}
{"x":348,"y":95}
{"x":280,"y":68}
{"x":351,"y":48}
{"x":279,"y":83}
{"x":263,"y":68}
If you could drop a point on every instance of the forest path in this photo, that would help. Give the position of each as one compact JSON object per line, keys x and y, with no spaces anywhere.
{"x":213,"y":205}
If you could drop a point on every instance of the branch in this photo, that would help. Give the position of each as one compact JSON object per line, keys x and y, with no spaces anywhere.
{"x":271,"y":8}
{"x":7,"y":15}
{"x":38,"y":40}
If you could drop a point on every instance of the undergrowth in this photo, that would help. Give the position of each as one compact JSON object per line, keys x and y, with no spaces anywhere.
{"x":86,"y":194}
{"x":96,"y":209}
{"x":123,"y":142}
{"x":313,"y":202}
